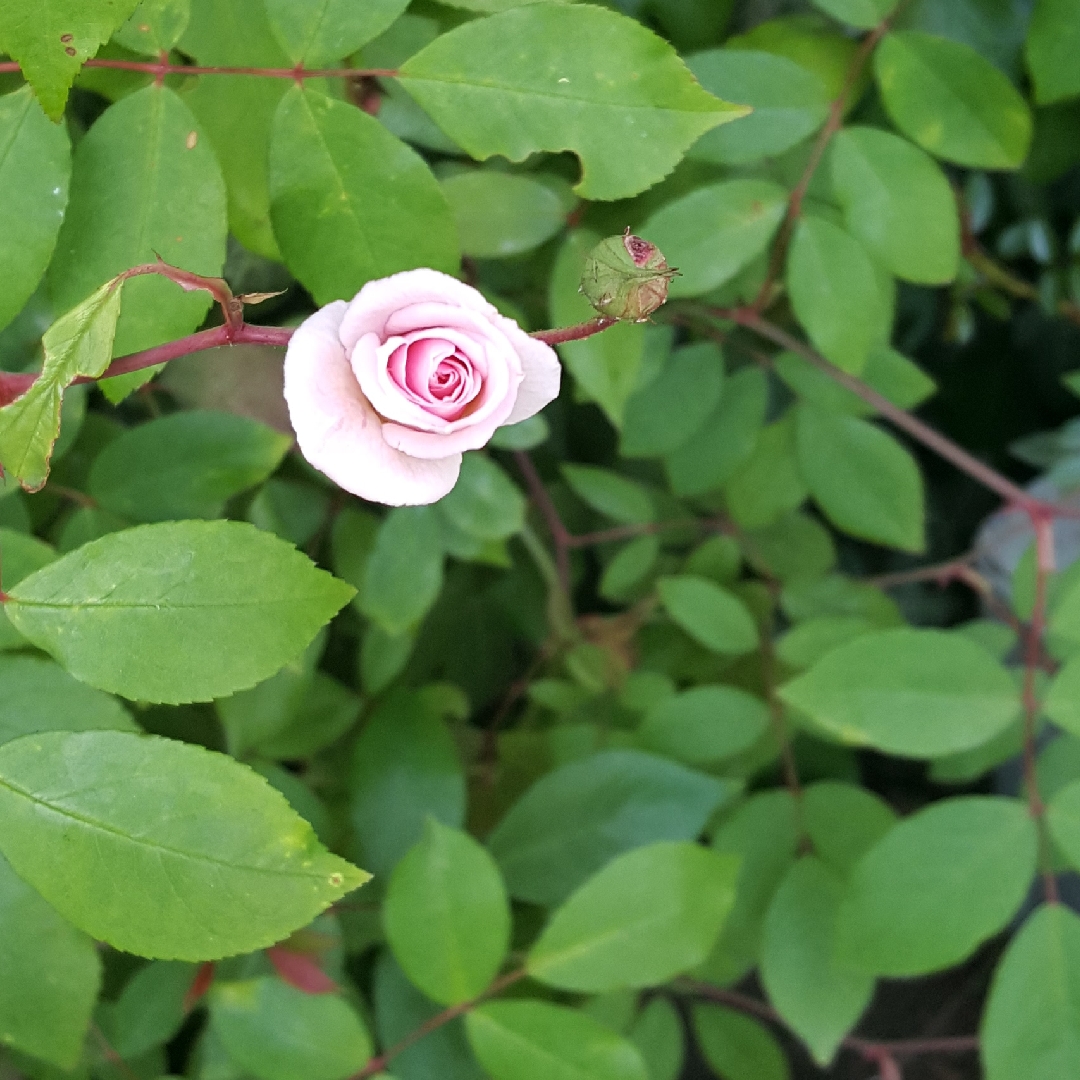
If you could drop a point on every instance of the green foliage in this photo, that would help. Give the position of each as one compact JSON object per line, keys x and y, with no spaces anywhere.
{"x":35,"y":166}
{"x":951,"y":101}
{"x":532,"y":1040}
{"x":615,"y":723}
{"x":446,"y":915}
{"x":591,"y":810}
{"x":917,"y":693}
{"x":348,"y":201}
{"x":552,"y":77}
{"x":176,"y":612}
{"x":202,"y":870}
{"x":270,"y":1029}
{"x":52,"y":43}
{"x":937,"y":885}
{"x":52,"y":975}
{"x":647,"y":916}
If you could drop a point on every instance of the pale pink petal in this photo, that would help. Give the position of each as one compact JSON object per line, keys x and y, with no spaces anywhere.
{"x":340,"y":433}
{"x":542,"y":372}
{"x":429,"y":444}
{"x":378,"y":300}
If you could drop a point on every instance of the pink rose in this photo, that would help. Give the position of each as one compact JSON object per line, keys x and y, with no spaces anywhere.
{"x":386,"y":392}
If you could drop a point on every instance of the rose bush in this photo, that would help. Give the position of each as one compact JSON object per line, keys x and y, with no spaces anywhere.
{"x":386,"y":392}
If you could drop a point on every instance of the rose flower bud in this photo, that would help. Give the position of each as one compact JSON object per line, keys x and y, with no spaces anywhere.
{"x":626,"y":277}
{"x":386,"y":392}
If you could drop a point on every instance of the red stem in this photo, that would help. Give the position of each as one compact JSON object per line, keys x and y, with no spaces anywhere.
{"x":1043,"y":525}
{"x":156,"y":67}
{"x":550,"y":513}
{"x":574,"y":333}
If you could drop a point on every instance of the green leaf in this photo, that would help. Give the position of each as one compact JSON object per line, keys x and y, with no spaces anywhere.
{"x":566,"y":77}
{"x":405,"y":767}
{"x":577,"y":818}
{"x":150,"y":1009}
{"x":524,"y":435}
{"x":704,"y":725}
{"x":124,"y":212}
{"x":326,"y":712}
{"x":843,"y":822}
{"x":818,"y":999}
{"x":1063,"y":817}
{"x":763,"y":834}
{"x":1031,"y":1026}
{"x":796,"y":547}
{"x":39,"y":695}
{"x":1053,"y":42}
{"x":52,"y":41}
{"x":51,"y":976}
{"x":446,"y":915}
{"x":442,"y":1054}
{"x":890,"y":373}
{"x":35,"y":165}
{"x":767,"y":486}
{"x":864,"y":14}
{"x":629,"y":568}
{"x":951,"y":101}
{"x":937,"y":885}
{"x":790,"y":103}
{"x":727,"y":438}
{"x":839,"y":294}
{"x":647,"y":916}
{"x":715,"y":231}
{"x":289,"y":509}
{"x":20,"y":556}
{"x":78,"y":343}
{"x":657,"y":1032}
{"x":605,"y":366}
{"x":317,"y":34}
{"x":189,"y":465}
{"x":709,"y":614}
{"x":237,"y":111}
{"x":839,"y":595}
{"x":610,"y":494}
{"x":177,"y":612}
{"x":349,"y":201}
{"x":898,"y":202}
{"x":671,"y":408}
{"x":807,"y":642}
{"x":1062,"y":703}
{"x":532,"y":1040}
{"x":154,"y":26}
{"x":915,"y":693}
{"x":867,"y":484}
{"x":485,"y":503}
{"x":403,"y":575}
{"x":502,"y":214}
{"x":229,"y":868}
{"x":737,"y":1047}
{"x":277,"y":1032}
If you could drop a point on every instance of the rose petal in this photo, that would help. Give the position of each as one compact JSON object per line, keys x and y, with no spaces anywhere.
{"x":431,"y":444}
{"x":543,"y":372}
{"x":341,"y":434}
{"x":378,"y":300}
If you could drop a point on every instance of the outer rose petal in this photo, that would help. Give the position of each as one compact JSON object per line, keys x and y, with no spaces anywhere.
{"x":340,"y":433}
{"x":542,"y":372}
{"x":378,"y":300}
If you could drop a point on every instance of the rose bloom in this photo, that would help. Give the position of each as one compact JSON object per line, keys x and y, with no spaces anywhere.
{"x":386,"y":392}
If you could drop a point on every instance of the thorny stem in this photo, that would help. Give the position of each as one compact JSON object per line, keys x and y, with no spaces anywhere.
{"x":377,"y":1064}
{"x":163,"y":68}
{"x":560,"y":536}
{"x":833,"y":123}
{"x":574,"y":333}
{"x":870,"y":1049}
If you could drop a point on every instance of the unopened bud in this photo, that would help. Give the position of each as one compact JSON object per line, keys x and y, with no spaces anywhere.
{"x":626,"y":277}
